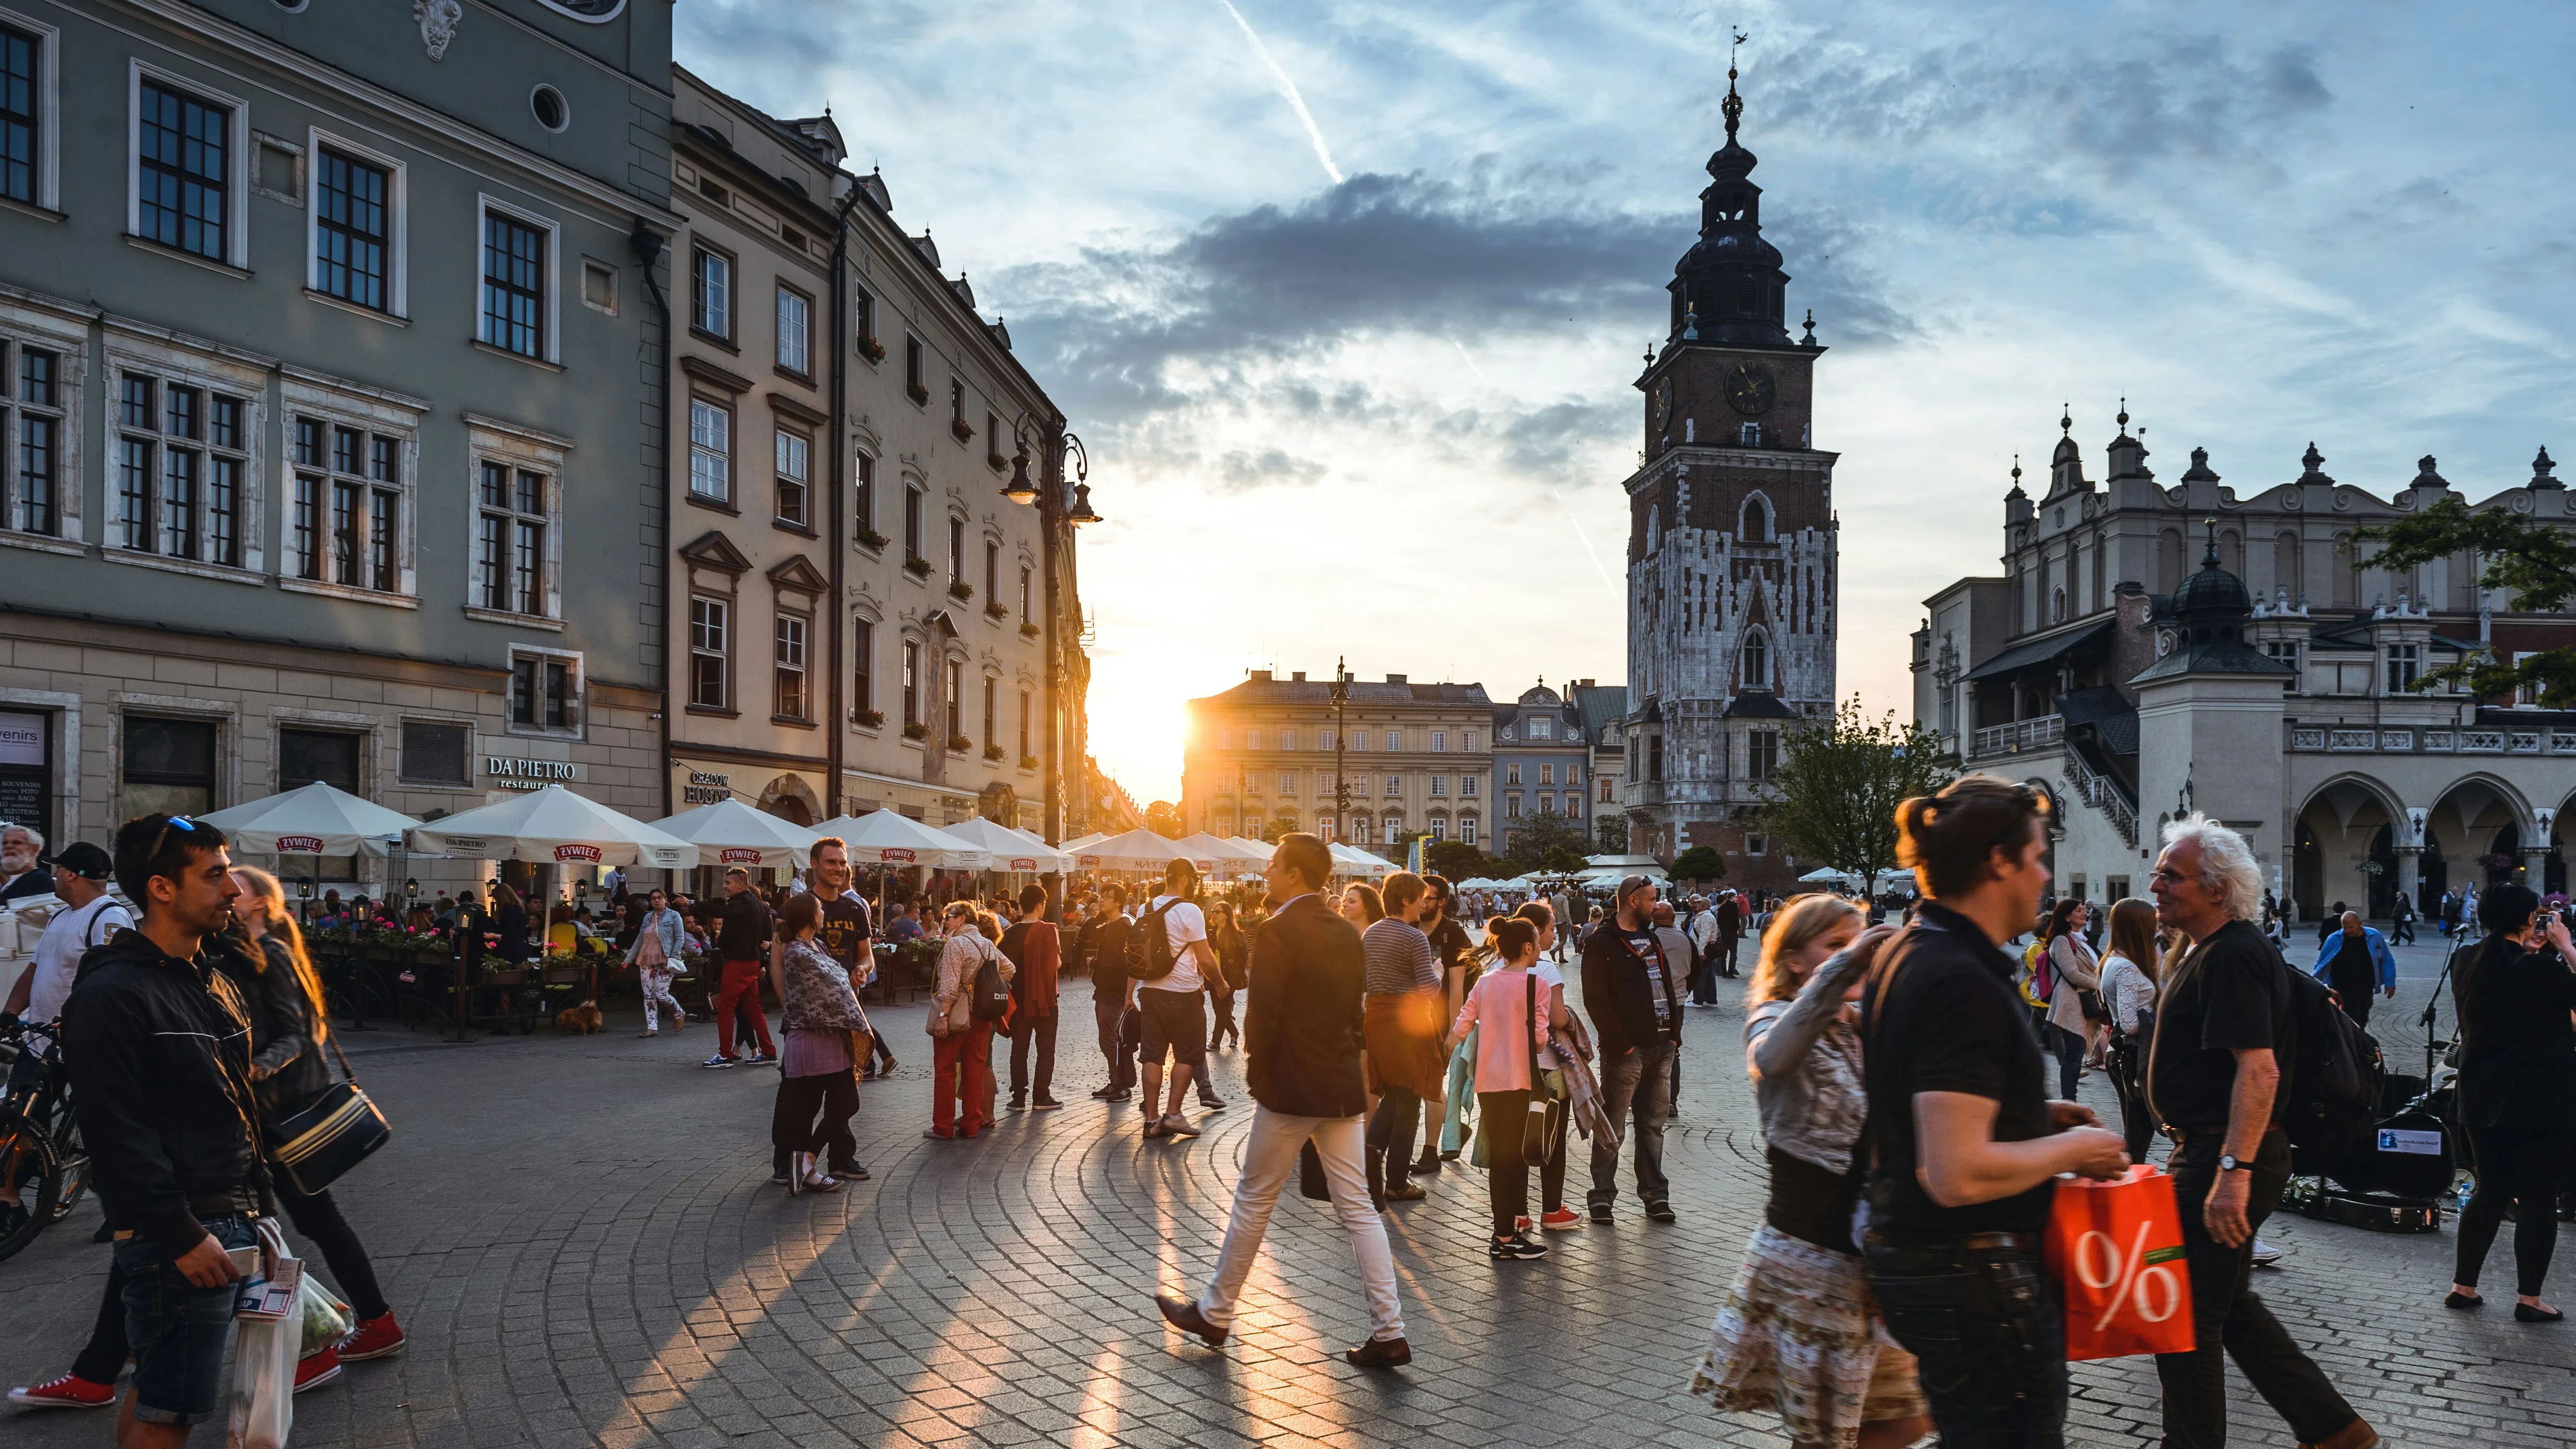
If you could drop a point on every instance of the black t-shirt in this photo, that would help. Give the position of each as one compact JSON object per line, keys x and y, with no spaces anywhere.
{"x":845,"y":926}
{"x":1950,"y":1022}
{"x":1104,"y":944}
{"x":2231,"y":993}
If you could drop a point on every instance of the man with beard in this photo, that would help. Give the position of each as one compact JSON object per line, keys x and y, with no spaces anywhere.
{"x":21,"y":847}
{"x":1302,"y":1046}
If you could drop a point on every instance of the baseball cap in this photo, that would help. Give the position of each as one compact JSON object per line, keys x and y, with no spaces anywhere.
{"x":82,"y":859}
{"x":1631,"y":884}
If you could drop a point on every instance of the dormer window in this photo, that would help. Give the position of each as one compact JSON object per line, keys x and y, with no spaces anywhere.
{"x":1749,"y":435}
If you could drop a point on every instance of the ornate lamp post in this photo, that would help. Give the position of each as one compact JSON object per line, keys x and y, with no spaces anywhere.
{"x":1055,"y":523}
{"x":1341,"y":734}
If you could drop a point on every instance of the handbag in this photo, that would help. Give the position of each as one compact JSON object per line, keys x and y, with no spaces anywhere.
{"x":1534,"y":1125}
{"x":2090,"y":1002}
{"x":330,"y":1135}
{"x":2116,"y":1251}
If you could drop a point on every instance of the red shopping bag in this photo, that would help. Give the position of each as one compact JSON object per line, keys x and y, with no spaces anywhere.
{"x":2115,"y":1250}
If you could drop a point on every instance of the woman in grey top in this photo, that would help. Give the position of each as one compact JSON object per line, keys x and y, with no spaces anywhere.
{"x":1797,"y":1334}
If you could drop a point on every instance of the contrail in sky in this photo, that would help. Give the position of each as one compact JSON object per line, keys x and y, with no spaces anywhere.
{"x":1288,"y":88}
{"x":1584,"y":536}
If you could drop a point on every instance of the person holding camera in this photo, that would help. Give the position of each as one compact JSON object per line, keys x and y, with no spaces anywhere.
{"x":2517,"y":1090}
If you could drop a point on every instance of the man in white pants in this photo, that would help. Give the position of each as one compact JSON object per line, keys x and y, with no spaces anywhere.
{"x":1301,"y":1040}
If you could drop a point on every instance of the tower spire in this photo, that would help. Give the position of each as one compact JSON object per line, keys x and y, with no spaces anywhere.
{"x":1733,"y":105}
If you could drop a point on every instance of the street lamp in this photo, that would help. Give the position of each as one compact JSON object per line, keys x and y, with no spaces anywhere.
{"x":1341,"y":735}
{"x":1052,"y":510}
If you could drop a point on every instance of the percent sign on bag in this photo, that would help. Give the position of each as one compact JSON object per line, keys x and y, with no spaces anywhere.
{"x":2116,"y":1251}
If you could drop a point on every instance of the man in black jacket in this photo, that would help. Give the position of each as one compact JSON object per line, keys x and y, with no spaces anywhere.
{"x":742,"y":945}
{"x":1301,"y":1041}
{"x":158,"y":1048}
{"x":1635,"y":1003}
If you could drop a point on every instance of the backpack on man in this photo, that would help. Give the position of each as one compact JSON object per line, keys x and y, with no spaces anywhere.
{"x":2332,"y":1086}
{"x":990,"y":999}
{"x":1150,"y":949}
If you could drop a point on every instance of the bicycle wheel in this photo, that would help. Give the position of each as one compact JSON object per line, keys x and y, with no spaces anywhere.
{"x":71,"y":1162}
{"x":28,"y":1180}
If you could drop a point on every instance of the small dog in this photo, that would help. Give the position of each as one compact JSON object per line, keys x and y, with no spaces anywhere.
{"x":579,"y":1020}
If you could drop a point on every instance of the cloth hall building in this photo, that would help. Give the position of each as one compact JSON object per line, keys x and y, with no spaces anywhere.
{"x":2152,"y":649}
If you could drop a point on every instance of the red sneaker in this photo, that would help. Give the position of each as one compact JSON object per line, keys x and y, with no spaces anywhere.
{"x":316,"y":1369}
{"x":1561,"y":1220}
{"x":378,"y":1337}
{"x":71,"y":1391}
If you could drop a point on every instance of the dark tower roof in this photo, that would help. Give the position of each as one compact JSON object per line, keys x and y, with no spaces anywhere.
{"x":2213,"y":596}
{"x":1729,"y":287}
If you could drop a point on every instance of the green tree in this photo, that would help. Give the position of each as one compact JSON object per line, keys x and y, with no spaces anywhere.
{"x":1546,"y":841}
{"x":1458,"y":860}
{"x":1164,"y":819}
{"x":1700,"y":862}
{"x":1610,"y":833}
{"x":2529,"y":560}
{"x":1834,"y":794}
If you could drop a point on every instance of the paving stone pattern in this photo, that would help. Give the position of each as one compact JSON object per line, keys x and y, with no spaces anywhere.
{"x":581,"y":1237}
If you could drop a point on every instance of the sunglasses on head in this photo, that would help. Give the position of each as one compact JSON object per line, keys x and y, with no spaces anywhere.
{"x":175,"y":822}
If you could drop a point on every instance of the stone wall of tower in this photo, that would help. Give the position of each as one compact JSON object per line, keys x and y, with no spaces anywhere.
{"x":1697,"y":586}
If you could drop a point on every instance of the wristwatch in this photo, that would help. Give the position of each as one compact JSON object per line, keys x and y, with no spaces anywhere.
{"x":2227,"y":1162}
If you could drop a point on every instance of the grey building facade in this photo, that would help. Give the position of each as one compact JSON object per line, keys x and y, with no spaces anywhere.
{"x":1541,"y":764}
{"x":334,"y":405}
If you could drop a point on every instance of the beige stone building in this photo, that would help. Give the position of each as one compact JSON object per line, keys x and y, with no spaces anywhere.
{"x":860,"y":617}
{"x":1392,"y":760}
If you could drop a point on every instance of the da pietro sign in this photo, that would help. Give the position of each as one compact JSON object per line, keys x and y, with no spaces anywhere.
{"x":512,"y":772}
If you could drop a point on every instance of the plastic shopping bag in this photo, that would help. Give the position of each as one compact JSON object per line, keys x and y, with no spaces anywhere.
{"x":2115,"y":1250}
{"x":263,"y":1411}
{"x":323,"y":1319}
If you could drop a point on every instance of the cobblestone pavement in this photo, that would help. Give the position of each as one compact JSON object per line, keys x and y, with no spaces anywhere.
{"x":581,"y":1237}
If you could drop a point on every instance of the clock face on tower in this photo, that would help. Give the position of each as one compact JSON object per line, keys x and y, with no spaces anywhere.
{"x":1750,"y":389}
{"x":1662,"y":406}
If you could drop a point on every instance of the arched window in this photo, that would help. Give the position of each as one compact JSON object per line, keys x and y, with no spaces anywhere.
{"x":2169,"y":560}
{"x":2286,"y":576}
{"x":1757,"y":522}
{"x":1757,"y":660}
{"x":2057,"y":606}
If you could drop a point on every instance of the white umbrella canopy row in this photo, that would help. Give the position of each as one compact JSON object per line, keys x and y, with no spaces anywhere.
{"x":1138,"y":849}
{"x":1015,"y":850}
{"x":552,"y":825}
{"x":890,"y":837}
{"x":313,"y":819}
{"x":731,"y":833}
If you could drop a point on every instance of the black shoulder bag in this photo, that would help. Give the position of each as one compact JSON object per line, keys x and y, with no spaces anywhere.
{"x":332,"y":1134}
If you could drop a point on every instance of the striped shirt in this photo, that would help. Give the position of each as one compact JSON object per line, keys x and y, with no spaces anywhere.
{"x":1400,"y":958}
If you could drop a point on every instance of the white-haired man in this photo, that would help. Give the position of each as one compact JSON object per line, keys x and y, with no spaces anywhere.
{"x":22,"y":847}
{"x":2214,"y":1076}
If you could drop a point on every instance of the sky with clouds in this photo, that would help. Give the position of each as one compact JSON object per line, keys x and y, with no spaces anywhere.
{"x":1348,"y":298}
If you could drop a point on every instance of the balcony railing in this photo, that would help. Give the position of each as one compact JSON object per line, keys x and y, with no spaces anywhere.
{"x":2008,"y":739}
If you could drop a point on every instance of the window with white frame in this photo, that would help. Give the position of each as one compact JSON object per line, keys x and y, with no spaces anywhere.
{"x":711,"y":292}
{"x":1546,"y":773}
{"x":1467,"y":829}
{"x":1359,"y":739}
{"x":913,"y":506}
{"x":956,"y":550}
{"x":2405,"y":666}
{"x":863,"y":657}
{"x":795,"y":331}
{"x":956,"y":702}
{"x":710,"y":651}
{"x":1439,"y":742}
{"x":27,"y":100}
{"x":511,"y":547}
{"x":863,"y":499}
{"x":1471,"y":741}
{"x":35,"y":435}
{"x":1025,"y":720}
{"x":346,"y":514}
{"x":545,"y":692}
{"x":1252,"y":739}
{"x":1512,"y":805}
{"x":1394,"y":830}
{"x":1025,"y":581}
{"x":795,"y":479}
{"x":710,"y":450}
{"x":187,"y":179}
{"x":1542,"y":728}
{"x":1287,"y":738}
{"x":1439,"y":785}
{"x":1761,"y":754}
{"x":1469,"y":785}
{"x":863,"y":317}
{"x":788,"y":698}
{"x":911,"y":686}
{"x":181,"y":468}
{"x":1439,"y":829}
{"x":1573,"y":774}
{"x":1395,"y":784}
{"x":356,"y":219}
{"x":1512,"y":773}
{"x":992,"y":720}
{"x":1287,"y":782}
{"x":1547,"y":803}
{"x":518,"y":284}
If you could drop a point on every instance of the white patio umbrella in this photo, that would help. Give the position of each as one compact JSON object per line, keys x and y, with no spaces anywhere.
{"x":1355,"y":861}
{"x":1012,"y":849}
{"x":890,"y":837}
{"x":1826,"y":873}
{"x":313,"y":819}
{"x":1075,"y":845}
{"x":732,"y":833}
{"x":554,"y":825}
{"x":1223,"y":856}
{"x":1136,"y":850}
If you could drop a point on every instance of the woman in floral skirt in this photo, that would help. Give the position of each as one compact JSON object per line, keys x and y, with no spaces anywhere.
{"x":1796,"y":1334}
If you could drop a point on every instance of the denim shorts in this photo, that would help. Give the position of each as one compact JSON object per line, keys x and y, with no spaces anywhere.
{"x":178,"y":1330}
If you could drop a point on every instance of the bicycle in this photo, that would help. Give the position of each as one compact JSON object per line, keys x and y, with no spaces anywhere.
{"x":44,"y":1167}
